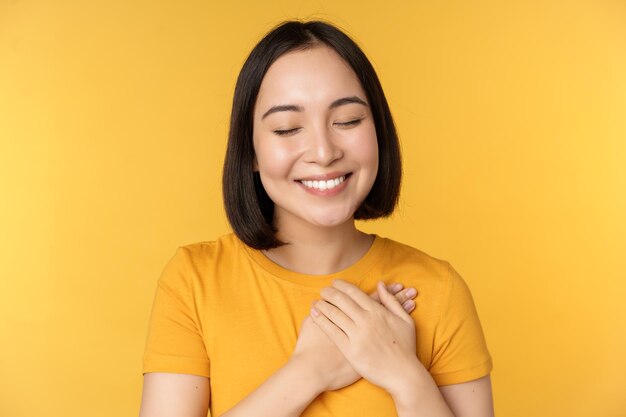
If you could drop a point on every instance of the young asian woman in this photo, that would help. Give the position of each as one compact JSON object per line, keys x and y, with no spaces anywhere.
{"x":295,"y":313}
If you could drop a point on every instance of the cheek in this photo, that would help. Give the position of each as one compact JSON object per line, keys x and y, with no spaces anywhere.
{"x":371,"y":153}
{"x":365,"y":151}
{"x":274,"y":160}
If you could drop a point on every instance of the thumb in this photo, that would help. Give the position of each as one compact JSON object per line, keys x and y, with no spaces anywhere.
{"x":389,"y":301}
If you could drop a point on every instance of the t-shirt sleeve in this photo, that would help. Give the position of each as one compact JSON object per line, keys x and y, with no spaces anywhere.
{"x":174,"y":343}
{"x":460,"y":350}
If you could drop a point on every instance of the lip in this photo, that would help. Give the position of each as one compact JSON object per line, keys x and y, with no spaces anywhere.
{"x":324,"y":177}
{"x":327,"y":192}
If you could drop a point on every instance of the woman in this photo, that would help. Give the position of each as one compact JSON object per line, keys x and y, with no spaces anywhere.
{"x":274,"y":319}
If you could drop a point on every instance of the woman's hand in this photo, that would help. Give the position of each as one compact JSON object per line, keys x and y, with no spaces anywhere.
{"x":377,"y":340}
{"x":321,"y":356}
{"x":323,"y":361}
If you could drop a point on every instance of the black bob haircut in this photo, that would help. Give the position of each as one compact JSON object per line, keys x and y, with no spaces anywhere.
{"x":249,"y":209}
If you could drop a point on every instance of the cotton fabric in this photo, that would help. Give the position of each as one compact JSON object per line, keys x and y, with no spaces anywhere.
{"x":227,"y":312}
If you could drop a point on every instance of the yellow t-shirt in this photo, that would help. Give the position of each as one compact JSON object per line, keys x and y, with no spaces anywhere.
{"x":227,"y":312}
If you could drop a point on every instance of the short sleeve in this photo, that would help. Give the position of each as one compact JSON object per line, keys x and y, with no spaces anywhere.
{"x":174,"y":343}
{"x":460,"y":350}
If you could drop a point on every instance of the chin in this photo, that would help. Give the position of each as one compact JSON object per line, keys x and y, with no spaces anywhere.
{"x":331,"y":220}
{"x":328,"y":223}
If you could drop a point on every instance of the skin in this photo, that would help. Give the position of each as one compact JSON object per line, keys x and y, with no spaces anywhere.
{"x":349,"y":335}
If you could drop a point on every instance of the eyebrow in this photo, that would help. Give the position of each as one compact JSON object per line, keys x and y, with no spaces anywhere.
{"x":293,"y":107}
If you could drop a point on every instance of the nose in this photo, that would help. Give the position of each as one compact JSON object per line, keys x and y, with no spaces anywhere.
{"x":323,"y":148}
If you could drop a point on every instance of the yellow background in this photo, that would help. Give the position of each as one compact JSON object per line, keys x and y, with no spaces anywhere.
{"x":113,"y":121}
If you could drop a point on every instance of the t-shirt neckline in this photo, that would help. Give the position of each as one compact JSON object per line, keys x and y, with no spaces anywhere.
{"x":354,"y":273}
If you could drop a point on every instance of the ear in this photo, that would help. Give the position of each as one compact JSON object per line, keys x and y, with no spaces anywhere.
{"x":255,"y":165}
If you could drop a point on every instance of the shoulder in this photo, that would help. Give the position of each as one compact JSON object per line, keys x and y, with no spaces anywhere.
{"x":222,"y":248}
{"x":225,"y":242}
{"x":418,"y":262}
{"x":435,"y":278}
{"x":191,"y":261}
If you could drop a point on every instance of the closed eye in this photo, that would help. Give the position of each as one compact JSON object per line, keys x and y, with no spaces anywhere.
{"x":350,"y":123}
{"x":287,"y":132}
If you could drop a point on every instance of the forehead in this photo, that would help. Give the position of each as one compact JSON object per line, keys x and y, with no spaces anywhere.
{"x":315,"y":76}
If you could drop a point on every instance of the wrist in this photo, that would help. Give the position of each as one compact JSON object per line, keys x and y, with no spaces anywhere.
{"x":410,"y":383}
{"x":418,"y":391}
{"x":315,"y":381}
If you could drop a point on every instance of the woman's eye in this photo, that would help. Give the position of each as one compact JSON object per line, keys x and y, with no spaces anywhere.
{"x":350,"y":123}
{"x":285,"y":132}
{"x":294,"y":130}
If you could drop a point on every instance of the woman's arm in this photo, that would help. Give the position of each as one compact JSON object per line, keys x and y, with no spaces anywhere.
{"x":468,"y":399}
{"x":380,"y":344}
{"x":287,"y":393}
{"x":284,"y":394}
{"x":316,"y":366}
{"x":167,"y":395}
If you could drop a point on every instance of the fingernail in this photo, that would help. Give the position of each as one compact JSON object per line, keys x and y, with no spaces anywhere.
{"x":397,"y":287}
{"x":411,"y":292}
{"x":314,"y":312}
{"x":408,"y":304}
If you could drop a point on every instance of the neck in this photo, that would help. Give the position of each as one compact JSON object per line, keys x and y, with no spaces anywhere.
{"x":318,"y":250}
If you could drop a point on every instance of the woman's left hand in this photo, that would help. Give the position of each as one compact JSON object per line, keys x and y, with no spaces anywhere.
{"x":378,"y":340}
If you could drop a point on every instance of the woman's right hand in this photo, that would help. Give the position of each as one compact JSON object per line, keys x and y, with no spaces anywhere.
{"x":320,"y":356}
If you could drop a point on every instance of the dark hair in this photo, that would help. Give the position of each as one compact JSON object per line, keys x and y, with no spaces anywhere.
{"x":249,"y":209}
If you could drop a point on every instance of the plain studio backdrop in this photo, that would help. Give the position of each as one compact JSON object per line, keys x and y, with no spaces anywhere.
{"x":113,"y":125}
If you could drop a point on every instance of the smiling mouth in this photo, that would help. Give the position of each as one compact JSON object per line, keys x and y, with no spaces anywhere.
{"x":324,"y":184}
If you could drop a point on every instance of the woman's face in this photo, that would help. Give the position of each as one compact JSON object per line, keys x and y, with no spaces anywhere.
{"x":314,"y":139}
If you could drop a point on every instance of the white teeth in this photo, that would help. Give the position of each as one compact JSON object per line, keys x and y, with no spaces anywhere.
{"x":324,"y":185}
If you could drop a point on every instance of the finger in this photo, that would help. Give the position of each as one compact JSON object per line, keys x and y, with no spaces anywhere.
{"x":335,"y":315}
{"x":390,"y":301}
{"x":409,"y":306}
{"x":333,"y":332}
{"x":392,"y":288}
{"x":405,"y":295}
{"x":355,"y":293}
{"x":343,"y":302}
